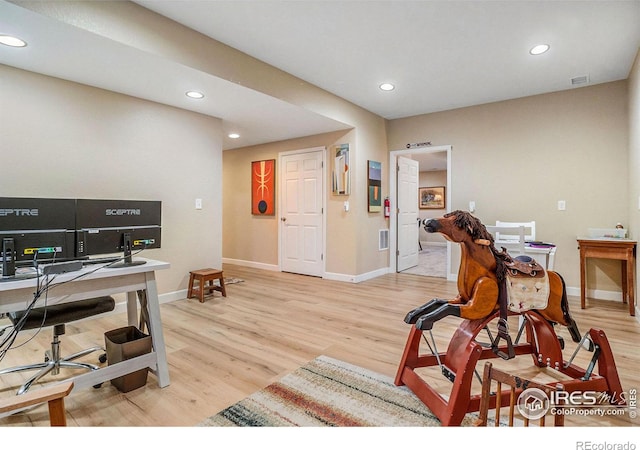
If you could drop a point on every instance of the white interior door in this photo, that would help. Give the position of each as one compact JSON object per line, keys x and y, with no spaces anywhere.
{"x":301,"y":226}
{"x":408,"y":173}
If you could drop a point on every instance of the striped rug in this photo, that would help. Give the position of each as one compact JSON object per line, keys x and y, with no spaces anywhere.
{"x":329,"y":392}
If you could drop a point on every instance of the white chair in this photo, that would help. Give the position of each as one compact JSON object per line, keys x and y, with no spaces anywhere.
{"x":529,"y":234}
{"x":505,"y":235}
{"x":512,"y":238}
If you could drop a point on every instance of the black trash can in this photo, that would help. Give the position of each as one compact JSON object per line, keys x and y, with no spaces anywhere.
{"x":123,"y":344}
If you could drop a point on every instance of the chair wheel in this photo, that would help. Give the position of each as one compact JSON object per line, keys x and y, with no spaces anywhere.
{"x":103,"y":358}
{"x":97,"y":386}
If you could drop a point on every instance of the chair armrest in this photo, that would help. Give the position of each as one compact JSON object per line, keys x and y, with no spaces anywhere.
{"x":53,"y":395}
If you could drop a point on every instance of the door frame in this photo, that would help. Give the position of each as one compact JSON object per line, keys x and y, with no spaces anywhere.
{"x":393,"y":193}
{"x":280,"y":191}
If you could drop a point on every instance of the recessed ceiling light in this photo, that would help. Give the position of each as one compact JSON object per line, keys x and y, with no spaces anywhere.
{"x":12,"y":41}
{"x":194,"y":94}
{"x":387,"y":87}
{"x":539,"y":49}
{"x":234,"y":135}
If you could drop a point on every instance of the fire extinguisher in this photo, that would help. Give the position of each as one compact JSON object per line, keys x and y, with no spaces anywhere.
{"x":387,"y":207}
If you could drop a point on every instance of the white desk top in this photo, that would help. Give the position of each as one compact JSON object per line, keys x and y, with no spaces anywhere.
{"x":605,"y":239}
{"x":89,"y":272}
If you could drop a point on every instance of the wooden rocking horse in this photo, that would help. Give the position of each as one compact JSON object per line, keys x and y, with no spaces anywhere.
{"x":482,"y":280}
{"x":492,"y":285}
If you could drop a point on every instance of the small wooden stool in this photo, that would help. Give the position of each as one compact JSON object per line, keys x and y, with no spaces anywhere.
{"x":205,"y":279}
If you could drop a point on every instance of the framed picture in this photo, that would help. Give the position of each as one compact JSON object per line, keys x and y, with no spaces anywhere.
{"x":431,"y":197}
{"x":263,"y":187}
{"x":374,"y":184}
{"x":341,"y":179}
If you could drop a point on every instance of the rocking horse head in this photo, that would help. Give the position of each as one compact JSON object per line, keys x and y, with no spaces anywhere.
{"x":477,"y":243}
{"x":460,"y":226}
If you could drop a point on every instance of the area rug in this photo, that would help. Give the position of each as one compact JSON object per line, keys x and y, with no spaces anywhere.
{"x":329,"y":392}
{"x":228,"y":281}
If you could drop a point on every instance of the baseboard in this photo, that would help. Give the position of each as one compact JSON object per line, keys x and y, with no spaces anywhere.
{"x":252,"y":264}
{"x":327,"y":275}
{"x":356,"y":278}
{"x":596,"y":293}
{"x":433,"y":244}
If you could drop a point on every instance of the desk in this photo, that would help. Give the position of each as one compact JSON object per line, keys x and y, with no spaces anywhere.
{"x":68,"y":287}
{"x":609,"y":248}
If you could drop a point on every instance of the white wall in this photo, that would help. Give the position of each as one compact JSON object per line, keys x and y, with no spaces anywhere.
{"x":60,"y":139}
{"x":517,"y":158}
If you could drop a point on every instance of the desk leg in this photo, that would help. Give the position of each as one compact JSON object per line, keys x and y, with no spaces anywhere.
{"x":631,"y":285}
{"x":155,"y":330}
{"x":625,"y":281}
{"x":583,"y":275}
{"x":132,"y":309}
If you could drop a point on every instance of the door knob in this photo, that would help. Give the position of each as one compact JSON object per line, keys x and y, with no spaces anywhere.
{"x":284,"y":219}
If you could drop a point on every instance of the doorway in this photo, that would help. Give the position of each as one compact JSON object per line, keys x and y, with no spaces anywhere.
{"x":398,"y":246}
{"x":301,"y":224}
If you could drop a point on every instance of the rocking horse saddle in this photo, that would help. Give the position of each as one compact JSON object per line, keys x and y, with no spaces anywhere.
{"x":525,"y":287}
{"x":524,"y":265}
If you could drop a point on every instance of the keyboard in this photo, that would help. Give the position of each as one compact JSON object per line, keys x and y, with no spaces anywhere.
{"x":105,"y":260}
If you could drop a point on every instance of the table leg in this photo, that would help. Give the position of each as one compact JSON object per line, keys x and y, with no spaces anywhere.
{"x":583,"y":274}
{"x":625,"y":281}
{"x":631,"y":285}
{"x":132,"y":309}
{"x":155,"y":330}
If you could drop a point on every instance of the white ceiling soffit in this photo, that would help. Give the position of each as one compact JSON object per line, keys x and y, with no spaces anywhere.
{"x":440,"y":55}
{"x":83,"y":57}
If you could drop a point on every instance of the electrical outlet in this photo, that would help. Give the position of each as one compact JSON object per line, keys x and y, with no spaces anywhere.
{"x":562,"y":205}
{"x":198,"y":203}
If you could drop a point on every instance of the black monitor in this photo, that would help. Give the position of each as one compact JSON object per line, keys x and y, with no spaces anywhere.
{"x":35,"y":231}
{"x":112,"y":226}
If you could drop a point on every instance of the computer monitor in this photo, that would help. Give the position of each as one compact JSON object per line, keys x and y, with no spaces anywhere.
{"x":111,"y":226}
{"x":35,"y":231}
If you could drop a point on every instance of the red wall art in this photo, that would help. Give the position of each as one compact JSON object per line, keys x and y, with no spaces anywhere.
{"x":263,"y":187}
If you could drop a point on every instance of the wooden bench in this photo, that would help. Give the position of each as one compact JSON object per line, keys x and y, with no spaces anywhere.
{"x":53,"y":395}
{"x":205,"y":283}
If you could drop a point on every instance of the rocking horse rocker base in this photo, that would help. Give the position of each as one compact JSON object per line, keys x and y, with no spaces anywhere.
{"x":458,"y":364}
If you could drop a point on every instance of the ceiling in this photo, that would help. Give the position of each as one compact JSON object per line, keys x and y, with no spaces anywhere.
{"x":440,"y":54}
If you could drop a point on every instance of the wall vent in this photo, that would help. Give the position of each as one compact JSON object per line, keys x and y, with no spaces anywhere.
{"x":383,"y":239}
{"x":580,"y":80}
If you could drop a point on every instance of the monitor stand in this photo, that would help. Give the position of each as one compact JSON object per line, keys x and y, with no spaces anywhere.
{"x":8,"y":262}
{"x":127,"y":260}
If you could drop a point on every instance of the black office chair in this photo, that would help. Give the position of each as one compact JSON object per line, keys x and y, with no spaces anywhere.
{"x":58,"y":316}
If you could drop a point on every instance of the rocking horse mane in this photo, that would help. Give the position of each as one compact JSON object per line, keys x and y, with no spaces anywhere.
{"x":476,"y":229}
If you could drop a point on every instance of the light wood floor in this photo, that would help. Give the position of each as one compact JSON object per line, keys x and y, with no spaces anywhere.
{"x":224,"y":349}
